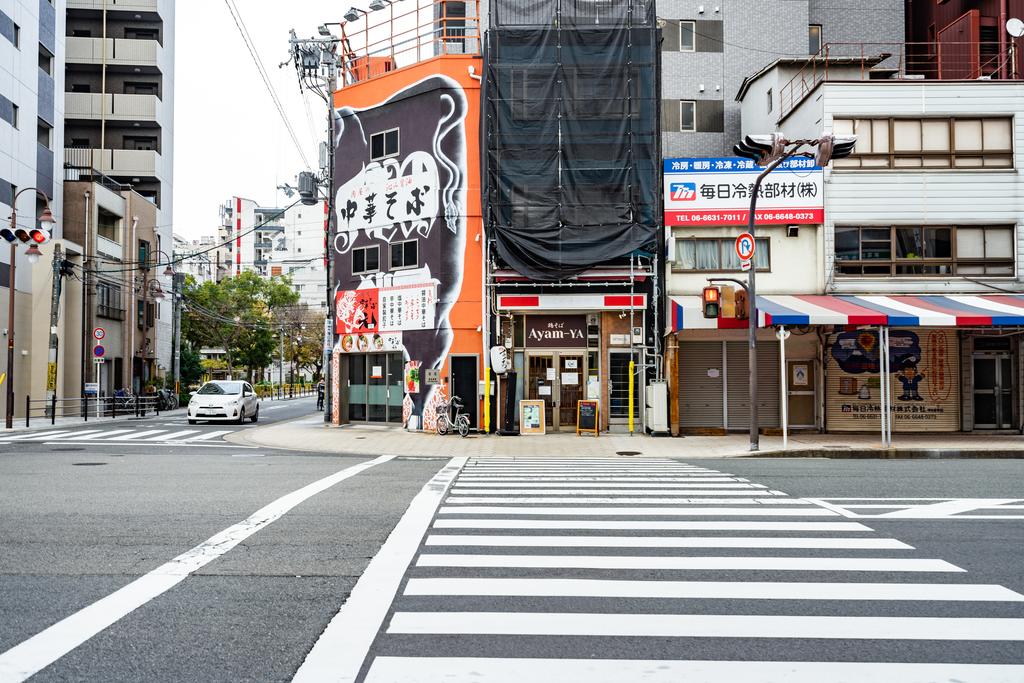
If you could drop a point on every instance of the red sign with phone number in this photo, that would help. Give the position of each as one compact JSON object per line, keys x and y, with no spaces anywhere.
{"x":774,"y":216}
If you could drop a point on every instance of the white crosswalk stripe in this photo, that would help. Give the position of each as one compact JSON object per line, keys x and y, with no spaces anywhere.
{"x":122,"y":435}
{"x":555,"y":559}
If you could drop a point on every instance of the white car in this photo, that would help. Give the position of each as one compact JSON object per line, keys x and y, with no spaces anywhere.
{"x":224,"y":400}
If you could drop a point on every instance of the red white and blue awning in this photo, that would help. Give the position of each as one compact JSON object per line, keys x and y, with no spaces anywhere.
{"x":980,"y":310}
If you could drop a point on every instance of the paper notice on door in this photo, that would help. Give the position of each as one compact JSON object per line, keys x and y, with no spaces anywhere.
{"x":593,"y":387}
{"x":377,"y":372}
{"x":570,"y":378}
{"x":551,"y":375}
{"x":544,"y":390}
{"x":570,"y":363}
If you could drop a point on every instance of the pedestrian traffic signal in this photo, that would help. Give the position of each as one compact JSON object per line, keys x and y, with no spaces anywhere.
{"x":712,"y":302}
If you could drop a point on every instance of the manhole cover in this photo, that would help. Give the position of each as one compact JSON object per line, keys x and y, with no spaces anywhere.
{"x":88,"y":464}
{"x":627,"y":453}
{"x":65,"y":450}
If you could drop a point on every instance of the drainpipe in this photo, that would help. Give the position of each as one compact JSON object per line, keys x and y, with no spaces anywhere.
{"x":85,"y":293}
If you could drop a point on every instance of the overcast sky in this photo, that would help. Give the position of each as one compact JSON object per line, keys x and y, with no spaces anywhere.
{"x":228,"y":137}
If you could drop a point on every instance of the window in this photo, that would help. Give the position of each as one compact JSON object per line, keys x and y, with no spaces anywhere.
{"x":141,"y":143}
{"x":383,"y":145}
{"x":143,"y":252}
{"x":81,"y":33}
{"x":916,"y":250}
{"x":14,"y":115}
{"x":140,"y":88}
{"x":717,"y":254}
{"x":686,"y":36}
{"x":813,"y":39}
{"x":365,"y":260}
{"x":44,"y":133}
{"x":108,"y":301}
{"x":45,"y":60}
{"x":771,"y":100}
{"x":983,"y":143}
{"x":687,"y":116}
{"x":81,"y":87}
{"x":404,"y":255}
{"x":17,"y":36}
{"x":136,"y":33}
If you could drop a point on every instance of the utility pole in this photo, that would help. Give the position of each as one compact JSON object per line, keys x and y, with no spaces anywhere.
{"x":177,"y":293}
{"x":51,"y":359}
{"x":316,"y":63}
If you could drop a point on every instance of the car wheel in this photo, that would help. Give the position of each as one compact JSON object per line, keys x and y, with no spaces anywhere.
{"x":191,"y":422}
{"x":255,"y":416}
{"x":241,"y":416}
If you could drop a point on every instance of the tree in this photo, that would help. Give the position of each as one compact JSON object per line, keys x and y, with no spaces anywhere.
{"x":191,"y":365}
{"x":237,"y":315}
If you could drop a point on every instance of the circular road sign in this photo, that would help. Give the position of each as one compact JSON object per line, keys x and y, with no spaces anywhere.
{"x":745,"y":246}
{"x":99,"y":333}
{"x":98,"y":351}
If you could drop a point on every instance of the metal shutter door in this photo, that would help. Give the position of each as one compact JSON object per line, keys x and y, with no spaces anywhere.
{"x":700,"y":396}
{"x":767,"y":386}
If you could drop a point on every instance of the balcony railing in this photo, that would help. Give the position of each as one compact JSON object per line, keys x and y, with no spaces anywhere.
{"x":109,"y":248}
{"x":119,"y":162}
{"x":119,"y":51}
{"x":407,"y":33}
{"x":938,"y":60}
{"x":122,"y":5}
{"x":114,"y":107}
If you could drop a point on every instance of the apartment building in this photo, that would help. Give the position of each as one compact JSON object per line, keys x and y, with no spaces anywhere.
{"x":119,"y":110}
{"x":195,"y":257}
{"x":31,"y":141}
{"x":299,"y":254}
{"x":250,"y":235}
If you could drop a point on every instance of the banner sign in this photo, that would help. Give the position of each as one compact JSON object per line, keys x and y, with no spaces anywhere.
{"x":717,"y":191}
{"x":386,"y":309}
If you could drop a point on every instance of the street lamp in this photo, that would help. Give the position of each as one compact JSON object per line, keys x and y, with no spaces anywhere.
{"x":47,"y":223}
{"x":770,"y":151}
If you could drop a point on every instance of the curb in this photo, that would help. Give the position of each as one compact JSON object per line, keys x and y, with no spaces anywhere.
{"x":892,"y":454}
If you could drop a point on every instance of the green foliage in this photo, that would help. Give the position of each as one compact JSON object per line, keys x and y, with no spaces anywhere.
{"x":238,"y":314}
{"x":191,"y":365}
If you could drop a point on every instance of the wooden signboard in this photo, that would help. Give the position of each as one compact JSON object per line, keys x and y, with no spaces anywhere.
{"x":587,"y":417}
{"x":531,"y":417}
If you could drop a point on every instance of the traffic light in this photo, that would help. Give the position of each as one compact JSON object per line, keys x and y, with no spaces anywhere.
{"x":23,"y":235}
{"x":712,"y":302}
{"x":763,"y":149}
{"x":40,"y":235}
{"x":8,"y":234}
{"x":834,"y":147}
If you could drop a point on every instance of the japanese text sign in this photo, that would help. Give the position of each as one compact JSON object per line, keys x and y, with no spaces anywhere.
{"x":716,"y":191}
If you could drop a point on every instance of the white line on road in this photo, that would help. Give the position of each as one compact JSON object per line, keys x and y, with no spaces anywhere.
{"x":718,"y":590}
{"x":545,"y":478}
{"x":666,"y":542}
{"x":105,"y":434}
{"x":708,"y":626}
{"x":174,"y":435}
{"x":516,"y":670}
{"x":460,"y":484}
{"x":456,"y":523}
{"x":148,"y":443}
{"x":34,"y":435}
{"x":46,"y":647}
{"x":644,"y":512}
{"x":339,"y":652}
{"x":210,"y":435}
{"x":138,"y":435}
{"x":472,"y":491}
{"x":639,"y":500}
{"x":807,"y":564}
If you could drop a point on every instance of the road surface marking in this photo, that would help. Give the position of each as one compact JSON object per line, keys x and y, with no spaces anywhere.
{"x":46,"y":647}
{"x":624,"y":500}
{"x":34,"y":435}
{"x":602,"y":485}
{"x":812,"y":564}
{"x":467,"y":491}
{"x":542,"y":479}
{"x":209,"y":435}
{"x":770,"y":542}
{"x":516,"y":670}
{"x":644,"y":512}
{"x":339,"y":652}
{"x":174,"y":435}
{"x":138,"y":435}
{"x":455,"y":523}
{"x":718,"y":590}
{"x":99,"y":435}
{"x":707,"y":626}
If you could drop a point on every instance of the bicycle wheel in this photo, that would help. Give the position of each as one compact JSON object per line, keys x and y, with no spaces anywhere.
{"x":463,"y":425}
{"x":442,"y":424}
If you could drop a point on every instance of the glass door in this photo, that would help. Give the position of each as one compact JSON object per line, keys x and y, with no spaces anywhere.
{"x":618,"y":389}
{"x":376,"y":387}
{"x":540,"y":383}
{"x":993,"y":391}
{"x":396,"y":392}
{"x":570,"y":388}
{"x":357,"y":388}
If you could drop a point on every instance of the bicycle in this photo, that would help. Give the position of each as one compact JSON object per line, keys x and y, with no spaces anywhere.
{"x":124,"y":400}
{"x":445,"y":421}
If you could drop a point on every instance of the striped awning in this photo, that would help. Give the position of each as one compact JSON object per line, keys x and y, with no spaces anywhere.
{"x":981,"y":310}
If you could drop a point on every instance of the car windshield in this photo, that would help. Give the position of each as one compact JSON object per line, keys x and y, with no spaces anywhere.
{"x":222,"y":388}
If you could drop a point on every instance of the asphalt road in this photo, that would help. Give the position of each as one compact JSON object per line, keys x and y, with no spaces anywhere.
{"x":654,"y":566}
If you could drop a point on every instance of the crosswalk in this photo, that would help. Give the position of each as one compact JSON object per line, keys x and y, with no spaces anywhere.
{"x":165,"y":435}
{"x":599,"y":570}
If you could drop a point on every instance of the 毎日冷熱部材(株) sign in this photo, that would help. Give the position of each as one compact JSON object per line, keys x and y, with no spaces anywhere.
{"x":717,"y":191}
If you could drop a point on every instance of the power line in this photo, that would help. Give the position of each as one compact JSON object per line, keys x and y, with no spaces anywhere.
{"x":237,"y":16}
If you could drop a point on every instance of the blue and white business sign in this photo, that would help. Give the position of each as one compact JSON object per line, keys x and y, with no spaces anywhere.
{"x":716,"y":191}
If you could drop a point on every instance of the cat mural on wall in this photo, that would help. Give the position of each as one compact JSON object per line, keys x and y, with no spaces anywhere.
{"x":401,"y":178}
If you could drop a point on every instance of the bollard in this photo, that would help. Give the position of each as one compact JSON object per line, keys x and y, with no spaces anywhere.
{"x":53,"y":410}
{"x":28,"y":408}
{"x":113,"y":409}
{"x":85,"y":407}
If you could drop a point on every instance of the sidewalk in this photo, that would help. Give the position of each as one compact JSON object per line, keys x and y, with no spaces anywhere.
{"x":310,"y":434}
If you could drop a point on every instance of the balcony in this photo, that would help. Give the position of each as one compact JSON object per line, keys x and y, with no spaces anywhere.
{"x":115,"y":5}
{"x":114,"y":107}
{"x":119,"y":52}
{"x":120,"y":162}
{"x":109,"y":248}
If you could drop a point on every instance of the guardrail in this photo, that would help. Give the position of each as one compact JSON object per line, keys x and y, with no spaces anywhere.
{"x":87,"y":407}
{"x":279,"y":392}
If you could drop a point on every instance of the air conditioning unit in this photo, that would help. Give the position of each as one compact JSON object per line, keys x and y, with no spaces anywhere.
{"x":656,"y":407}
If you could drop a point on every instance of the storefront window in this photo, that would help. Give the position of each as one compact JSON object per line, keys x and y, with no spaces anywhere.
{"x":717,"y":254}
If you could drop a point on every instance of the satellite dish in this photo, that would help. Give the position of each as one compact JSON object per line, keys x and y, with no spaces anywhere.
{"x":1015,"y":27}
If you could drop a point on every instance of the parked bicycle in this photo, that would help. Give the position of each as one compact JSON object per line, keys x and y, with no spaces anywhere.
{"x":124,"y":400}
{"x":166,"y":399}
{"x":446,"y":421}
